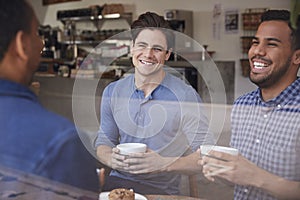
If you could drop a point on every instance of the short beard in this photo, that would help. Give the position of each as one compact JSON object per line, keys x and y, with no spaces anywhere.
{"x":272,"y":78}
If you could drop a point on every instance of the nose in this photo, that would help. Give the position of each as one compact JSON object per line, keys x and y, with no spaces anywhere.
{"x":259,"y":49}
{"x":148,"y":51}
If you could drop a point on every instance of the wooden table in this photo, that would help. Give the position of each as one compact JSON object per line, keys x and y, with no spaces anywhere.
{"x":169,"y":197}
{"x":17,"y":185}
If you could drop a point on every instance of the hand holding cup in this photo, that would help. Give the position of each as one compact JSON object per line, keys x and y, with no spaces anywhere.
{"x":215,"y":164}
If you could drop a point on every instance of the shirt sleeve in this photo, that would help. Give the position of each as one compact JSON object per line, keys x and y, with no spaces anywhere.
{"x":108,"y":133}
{"x":195,"y":122}
{"x":68,"y":161}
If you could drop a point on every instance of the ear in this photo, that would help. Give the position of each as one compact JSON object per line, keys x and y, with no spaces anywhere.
{"x":168,"y":54}
{"x":131,"y":49}
{"x":296,"y":57}
{"x":21,"y":45}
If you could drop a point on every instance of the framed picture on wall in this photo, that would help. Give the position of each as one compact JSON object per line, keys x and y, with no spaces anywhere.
{"x":231,"y":21}
{"x":47,"y":2}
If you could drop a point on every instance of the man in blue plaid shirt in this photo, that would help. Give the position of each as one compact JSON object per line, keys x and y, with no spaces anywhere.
{"x":266,"y":122}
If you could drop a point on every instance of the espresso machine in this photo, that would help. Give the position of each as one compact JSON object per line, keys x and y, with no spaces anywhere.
{"x":51,"y":41}
{"x":182,"y":21}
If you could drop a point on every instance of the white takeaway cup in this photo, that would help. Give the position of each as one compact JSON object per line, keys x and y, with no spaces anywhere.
{"x":128,"y":148}
{"x":205,"y":149}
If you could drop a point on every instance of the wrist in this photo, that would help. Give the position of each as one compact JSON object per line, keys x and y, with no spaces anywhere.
{"x":264,"y":180}
{"x":168,"y":167}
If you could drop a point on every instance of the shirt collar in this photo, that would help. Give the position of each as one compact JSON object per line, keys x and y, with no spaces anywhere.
{"x":164,"y":81}
{"x":284,"y":97}
{"x":10,"y":88}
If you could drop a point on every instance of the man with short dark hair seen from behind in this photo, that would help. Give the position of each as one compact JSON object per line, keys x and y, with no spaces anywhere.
{"x":34,"y":139}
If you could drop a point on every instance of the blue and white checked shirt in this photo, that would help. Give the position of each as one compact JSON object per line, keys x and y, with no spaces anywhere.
{"x":268,"y":134}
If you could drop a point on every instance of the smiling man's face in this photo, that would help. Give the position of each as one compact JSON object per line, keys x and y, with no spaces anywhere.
{"x":270,"y":54}
{"x":150,"y":52}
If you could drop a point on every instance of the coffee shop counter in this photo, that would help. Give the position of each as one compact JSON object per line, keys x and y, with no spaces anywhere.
{"x":58,"y":93}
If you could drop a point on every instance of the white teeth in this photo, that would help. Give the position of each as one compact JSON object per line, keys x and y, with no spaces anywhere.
{"x":146,"y":63}
{"x":259,"y":65}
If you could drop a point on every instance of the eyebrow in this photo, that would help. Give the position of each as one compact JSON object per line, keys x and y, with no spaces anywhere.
{"x":141,"y":43}
{"x":156,"y":45}
{"x":269,"y":39}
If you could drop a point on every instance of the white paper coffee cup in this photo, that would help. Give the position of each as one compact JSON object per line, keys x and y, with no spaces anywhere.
{"x":128,"y":148}
{"x":205,"y":149}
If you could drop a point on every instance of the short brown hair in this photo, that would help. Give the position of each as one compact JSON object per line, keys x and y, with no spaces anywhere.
{"x":150,"y":20}
{"x":284,"y":15}
{"x":15,"y":15}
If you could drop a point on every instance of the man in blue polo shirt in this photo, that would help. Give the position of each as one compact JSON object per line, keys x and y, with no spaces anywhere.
{"x":152,"y":107}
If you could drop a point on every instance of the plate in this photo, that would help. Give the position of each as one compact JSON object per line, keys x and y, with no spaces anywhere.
{"x":104,"y":196}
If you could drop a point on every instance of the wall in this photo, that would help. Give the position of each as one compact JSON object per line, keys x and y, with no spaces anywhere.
{"x":227,"y":47}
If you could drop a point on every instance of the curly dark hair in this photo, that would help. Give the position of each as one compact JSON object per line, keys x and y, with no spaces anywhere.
{"x":15,"y":15}
{"x":284,"y":15}
{"x":151,"y":20}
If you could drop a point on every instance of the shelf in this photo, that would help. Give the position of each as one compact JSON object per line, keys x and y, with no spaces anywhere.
{"x":75,"y":38}
{"x":250,"y":21}
{"x":92,"y":42}
{"x":58,"y":61}
{"x":99,"y":18}
{"x":246,"y":43}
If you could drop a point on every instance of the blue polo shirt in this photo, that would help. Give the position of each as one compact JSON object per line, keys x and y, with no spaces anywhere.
{"x":38,"y":141}
{"x":170,"y":121}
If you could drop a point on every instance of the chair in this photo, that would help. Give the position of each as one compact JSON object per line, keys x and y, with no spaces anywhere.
{"x":193,"y":185}
{"x":192,"y":181}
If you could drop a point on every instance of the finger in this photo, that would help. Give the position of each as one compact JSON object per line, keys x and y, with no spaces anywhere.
{"x":218,"y":171}
{"x":205,"y":169}
{"x":139,"y":169}
{"x":136,"y":160}
{"x":117,"y":155}
{"x":117,"y":161}
{"x":210,"y":178}
{"x":222,"y":156}
{"x":115,"y":150}
{"x":120,"y":167}
{"x":136,"y":155}
{"x":209,"y":159}
{"x":213,"y":160}
{"x":201,"y":162}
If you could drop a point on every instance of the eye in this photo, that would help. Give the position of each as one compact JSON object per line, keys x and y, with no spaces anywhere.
{"x":157,"y":49}
{"x":141,"y":46}
{"x":272,"y":44}
{"x":254,"y":42}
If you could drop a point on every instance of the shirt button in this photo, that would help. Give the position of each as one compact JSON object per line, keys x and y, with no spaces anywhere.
{"x":257,"y":141}
{"x":246,"y":190}
{"x":278,"y":106}
{"x":265,"y":116}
